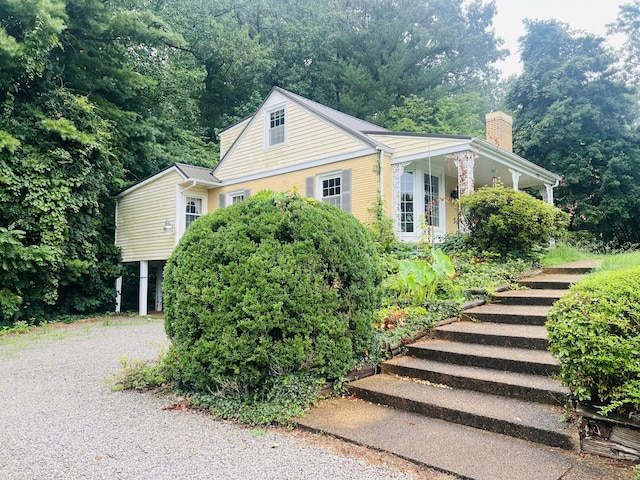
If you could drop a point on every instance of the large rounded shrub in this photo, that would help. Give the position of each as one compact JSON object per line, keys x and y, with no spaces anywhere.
{"x":271,"y":286}
{"x":504,"y":221}
{"x":594,"y":331}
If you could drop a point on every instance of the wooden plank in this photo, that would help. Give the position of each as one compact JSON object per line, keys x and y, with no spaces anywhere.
{"x":629,"y":437}
{"x":608,"y":449}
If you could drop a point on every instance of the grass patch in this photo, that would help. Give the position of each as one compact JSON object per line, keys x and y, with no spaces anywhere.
{"x":565,"y":254}
{"x":620,"y":261}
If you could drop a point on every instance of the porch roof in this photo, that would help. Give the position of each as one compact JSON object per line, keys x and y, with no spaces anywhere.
{"x":490,"y":160}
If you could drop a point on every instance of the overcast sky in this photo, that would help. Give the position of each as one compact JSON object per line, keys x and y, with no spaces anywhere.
{"x":588,"y":15}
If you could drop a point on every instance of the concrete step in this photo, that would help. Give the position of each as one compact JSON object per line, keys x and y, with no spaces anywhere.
{"x":513,"y":314}
{"x":528,"y":297}
{"x":550,"y":281}
{"x":534,"y":422}
{"x":575,"y":268}
{"x":533,"y":388}
{"x":455,"y":449}
{"x":500,"y":334}
{"x":534,"y":362}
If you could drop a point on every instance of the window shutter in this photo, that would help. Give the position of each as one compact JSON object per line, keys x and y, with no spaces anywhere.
{"x":310,"y":182}
{"x":247,"y":193}
{"x":346,"y":190}
{"x":222,"y":201}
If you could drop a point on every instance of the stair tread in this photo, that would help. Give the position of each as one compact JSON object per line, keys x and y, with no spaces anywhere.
{"x":551,"y":280}
{"x":488,"y":351}
{"x":518,"y":412}
{"x":513,"y":310}
{"x":531,"y":292}
{"x":464,"y":451}
{"x":539,"y":382}
{"x":497,"y":329}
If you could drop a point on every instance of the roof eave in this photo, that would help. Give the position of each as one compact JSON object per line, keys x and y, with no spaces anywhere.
{"x":527,"y":166}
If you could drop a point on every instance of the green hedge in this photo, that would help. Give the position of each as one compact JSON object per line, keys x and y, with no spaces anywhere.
{"x":594,"y":332}
{"x":271,"y":286}
{"x":504,"y":221}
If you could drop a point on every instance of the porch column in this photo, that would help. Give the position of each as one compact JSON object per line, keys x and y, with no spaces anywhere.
{"x":515,"y":177}
{"x":465,"y":162}
{"x":118,"y":294}
{"x":159,"y":288}
{"x":547,"y":193}
{"x":397,"y":170}
{"x":144,"y":288}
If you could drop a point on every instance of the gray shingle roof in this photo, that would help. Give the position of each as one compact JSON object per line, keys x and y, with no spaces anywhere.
{"x":347,"y":121}
{"x":201,"y":174}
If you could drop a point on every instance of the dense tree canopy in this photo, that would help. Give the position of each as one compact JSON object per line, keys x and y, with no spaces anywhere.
{"x":97,"y":95}
{"x":575,"y":115}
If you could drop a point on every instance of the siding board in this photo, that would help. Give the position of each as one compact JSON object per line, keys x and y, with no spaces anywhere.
{"x":308,"y":138}
{"x":141,"y":218}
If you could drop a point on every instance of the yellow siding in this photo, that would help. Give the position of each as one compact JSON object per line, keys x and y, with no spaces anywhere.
{"x":229,"y":136}
{"x":364,"y":188}
{"x":388,"y":185}
{"x":451,"y":206}
{"x":141,"y":218}
{"x":308,"y":139}
{"x":404,"y":146}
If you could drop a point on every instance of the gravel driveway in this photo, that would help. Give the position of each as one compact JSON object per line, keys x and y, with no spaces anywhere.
{"x":59,"y":420}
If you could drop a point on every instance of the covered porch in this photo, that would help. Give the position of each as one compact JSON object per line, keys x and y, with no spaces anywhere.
{"x":427,"y":184}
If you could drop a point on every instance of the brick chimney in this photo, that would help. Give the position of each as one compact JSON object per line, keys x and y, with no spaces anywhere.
{"x":500,"y":130}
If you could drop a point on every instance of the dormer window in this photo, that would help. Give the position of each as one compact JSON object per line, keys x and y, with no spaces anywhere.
{"x":276,"y":133}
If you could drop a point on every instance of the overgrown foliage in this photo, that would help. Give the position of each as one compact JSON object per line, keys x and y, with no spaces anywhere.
{"x":419,"y":279}
{"x":594,"y":331}
{"x":576,"y":114}
{"x":503,"y":221}
{"x":274,"y":286}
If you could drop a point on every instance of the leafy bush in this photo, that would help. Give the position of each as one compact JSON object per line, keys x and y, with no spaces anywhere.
{"x":418,"y":280}
{"x":507,"y":222}
{"x":272,"y":286}
{"x":139,"y":375}
{"x":594,"y":331}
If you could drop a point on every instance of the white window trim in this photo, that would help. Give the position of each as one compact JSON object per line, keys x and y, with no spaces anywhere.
{"x":324,"y":176}
{"x":419,"y":172}
{"x":267,"y":125}
{"x":234,"y":193}
{"x":183,"y":209}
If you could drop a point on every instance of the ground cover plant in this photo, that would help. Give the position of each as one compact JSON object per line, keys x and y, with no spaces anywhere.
{"x":271,"y":295}
{"x":594,"y":331}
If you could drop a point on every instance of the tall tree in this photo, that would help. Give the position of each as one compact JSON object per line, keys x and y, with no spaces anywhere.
{"x":461,"y":114}
{"x":77,"y":120}
{"x":574,"y":115}
{"x":628,"y":24}
{"x":217,"y":37}
{"x":391,"y":49}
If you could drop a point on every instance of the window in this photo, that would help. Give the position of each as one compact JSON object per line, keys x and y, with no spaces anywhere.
{"x":331,"y":190}
{"x":193,"y":210}
{"x":332,"y":187}
{"x":237,"y":196}
{"x":432,"y":200}
{"x":406,"y":202}
{"x":276,"y":127}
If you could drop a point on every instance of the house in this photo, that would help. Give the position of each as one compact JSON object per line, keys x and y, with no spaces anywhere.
{"x":292,"y":142}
